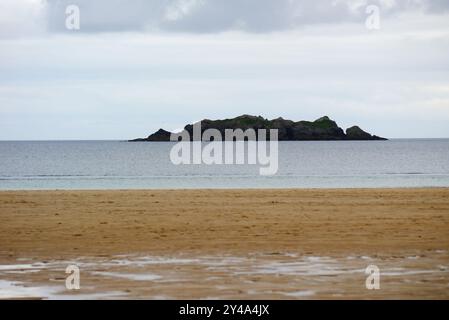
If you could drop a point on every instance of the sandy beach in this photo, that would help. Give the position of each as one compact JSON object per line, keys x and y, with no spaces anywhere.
{"x":202,"y":244}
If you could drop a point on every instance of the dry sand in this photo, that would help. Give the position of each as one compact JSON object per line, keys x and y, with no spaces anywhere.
{"x":225,"y":243}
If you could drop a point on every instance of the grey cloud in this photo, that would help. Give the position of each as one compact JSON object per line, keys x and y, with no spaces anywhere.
{"x":209,"y":16}
{"x":436,"y":6}
{"x":259,"y":16}
{"x":106,"y":15}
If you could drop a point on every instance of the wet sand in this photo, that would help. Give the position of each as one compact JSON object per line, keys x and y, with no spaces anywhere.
{"x":250,"y":244}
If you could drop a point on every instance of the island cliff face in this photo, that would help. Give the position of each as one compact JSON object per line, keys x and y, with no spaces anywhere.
{"x":288,"y":130}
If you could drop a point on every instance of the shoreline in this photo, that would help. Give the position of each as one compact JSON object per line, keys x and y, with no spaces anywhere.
{"x":271,"y":188}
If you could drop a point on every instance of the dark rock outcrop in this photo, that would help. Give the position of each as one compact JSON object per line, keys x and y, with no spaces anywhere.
{"x":288,"y":130}
{"x":160,"y":135}
{"x":355,"y":133}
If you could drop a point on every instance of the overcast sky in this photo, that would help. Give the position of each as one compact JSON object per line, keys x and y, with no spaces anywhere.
{"x":137,"y":65}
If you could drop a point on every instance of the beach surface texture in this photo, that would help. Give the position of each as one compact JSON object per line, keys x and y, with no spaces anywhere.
{"x":204,"y":244}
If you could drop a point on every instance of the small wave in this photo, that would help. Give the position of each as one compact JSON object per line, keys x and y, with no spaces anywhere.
{"x":212,"y":176}
{"x":407,"y":173}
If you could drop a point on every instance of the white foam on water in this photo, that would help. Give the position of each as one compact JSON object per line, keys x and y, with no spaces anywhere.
{"x":16,"y":290}
{"x":319,"y":259}
{"x":314,"y":266}
{"x":129,"y":276}
{"x":403,"y":272}
{"x":160,"y":297}
{"x":213,"y":262}
{"x":89,"y":296}
{"x":12,"y":267}
{"x":302,"y":293}
{"x":145,"y":261}
{"x":22,"y":271}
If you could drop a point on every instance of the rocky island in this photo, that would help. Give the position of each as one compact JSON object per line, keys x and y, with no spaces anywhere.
{"x":321,"y":129}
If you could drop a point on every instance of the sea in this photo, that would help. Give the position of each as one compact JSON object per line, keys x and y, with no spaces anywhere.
{"x":50,"y":165}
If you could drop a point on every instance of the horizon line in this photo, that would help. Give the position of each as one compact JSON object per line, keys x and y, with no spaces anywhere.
{"x":126,"y":140}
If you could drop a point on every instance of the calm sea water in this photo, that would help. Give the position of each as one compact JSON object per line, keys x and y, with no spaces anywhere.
{"x":124,"y":165}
